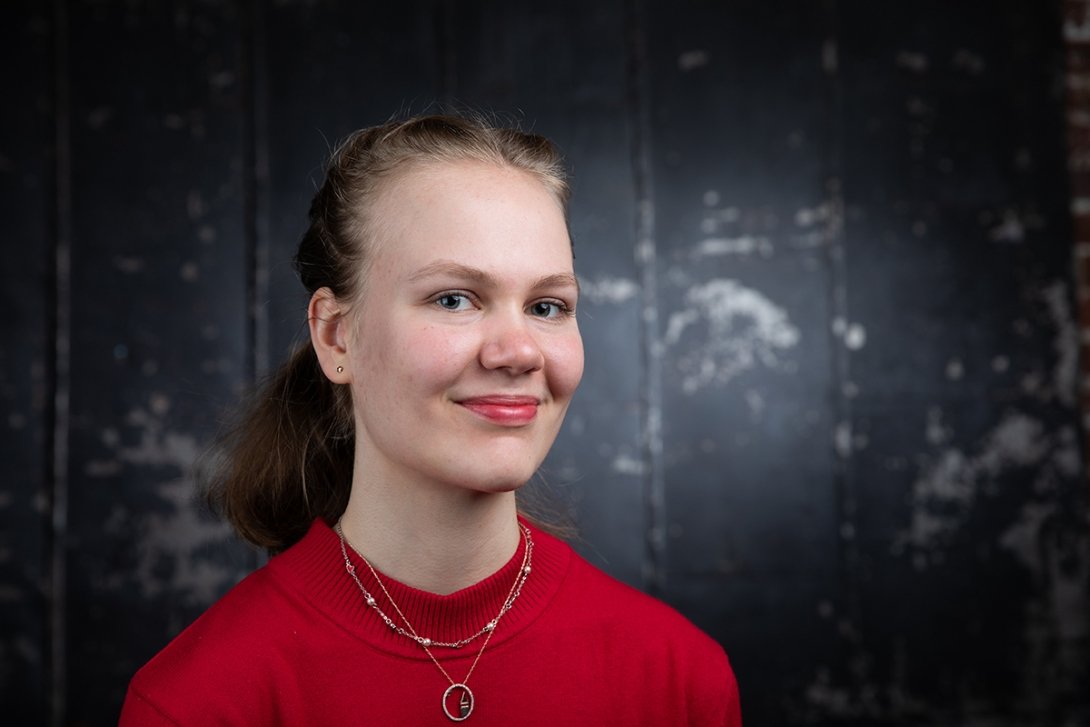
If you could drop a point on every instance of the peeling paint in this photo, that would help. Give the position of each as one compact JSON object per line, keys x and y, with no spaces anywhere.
{"x":1065,"y":343}
{"x":744,"y":330}
{"x":626,"y":464}
{"x":608,"y":289}
{"x":946,"y":490}
{"x":743,"y":245}
{"x":172,"y":542}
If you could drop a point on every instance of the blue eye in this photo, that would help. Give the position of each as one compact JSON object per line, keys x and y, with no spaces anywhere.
{"x":453,"y":301}
{"x":549,"y":309}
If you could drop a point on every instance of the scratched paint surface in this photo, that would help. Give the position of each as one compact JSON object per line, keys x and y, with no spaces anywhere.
{"x":824,"y":255}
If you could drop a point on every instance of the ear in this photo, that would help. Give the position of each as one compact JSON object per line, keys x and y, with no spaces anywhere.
{"x":329,"y":323}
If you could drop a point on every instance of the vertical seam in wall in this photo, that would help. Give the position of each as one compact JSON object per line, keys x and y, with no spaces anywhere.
{"x":256,"y":209}
{"x":1074,"y":104}
{"x":255,"y":203}
{"x":843,"y":433}
{"x":654,"y":580}
{"x":60,"y":373}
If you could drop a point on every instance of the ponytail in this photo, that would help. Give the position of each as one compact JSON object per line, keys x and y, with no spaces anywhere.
{"x":288,"y":458}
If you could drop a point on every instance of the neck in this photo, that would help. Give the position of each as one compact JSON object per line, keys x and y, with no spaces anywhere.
{"x":437,"y":539}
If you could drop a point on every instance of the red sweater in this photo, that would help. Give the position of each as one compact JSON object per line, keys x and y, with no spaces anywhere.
{"x":295,"y":644}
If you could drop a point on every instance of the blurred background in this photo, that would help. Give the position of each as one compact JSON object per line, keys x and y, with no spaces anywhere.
{"x":829,"y":253}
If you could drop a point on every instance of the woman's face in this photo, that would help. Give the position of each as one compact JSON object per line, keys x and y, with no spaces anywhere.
{"x":464,"y":352}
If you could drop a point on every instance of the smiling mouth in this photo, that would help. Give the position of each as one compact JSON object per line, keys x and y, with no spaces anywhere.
{"x":503,"y":410}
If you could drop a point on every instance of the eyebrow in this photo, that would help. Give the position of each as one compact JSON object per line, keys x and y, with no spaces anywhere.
{"x":446,"y":267}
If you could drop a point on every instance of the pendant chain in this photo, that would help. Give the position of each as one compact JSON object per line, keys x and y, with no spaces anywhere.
{"x":466,"y":703}
{"x":513,"y":594}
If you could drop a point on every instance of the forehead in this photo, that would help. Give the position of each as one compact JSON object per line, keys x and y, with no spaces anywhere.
{"x":470,"y":208}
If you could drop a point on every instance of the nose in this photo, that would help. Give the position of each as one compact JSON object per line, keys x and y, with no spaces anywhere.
{"x":511,"y":345}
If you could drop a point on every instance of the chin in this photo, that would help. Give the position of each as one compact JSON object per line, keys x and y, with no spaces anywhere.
{"x":497,"y":480}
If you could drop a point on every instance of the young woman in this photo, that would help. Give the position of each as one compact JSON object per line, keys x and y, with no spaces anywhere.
{"x":381,"y":464}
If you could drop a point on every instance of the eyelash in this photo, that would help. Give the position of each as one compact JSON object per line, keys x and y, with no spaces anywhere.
{"x":563,"y":310}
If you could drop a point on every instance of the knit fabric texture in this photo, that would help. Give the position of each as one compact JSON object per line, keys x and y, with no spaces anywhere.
{"x":296,"y":644}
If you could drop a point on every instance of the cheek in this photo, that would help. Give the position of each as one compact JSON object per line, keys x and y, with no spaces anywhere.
{"x":432,"y":358}
{"x":566,"y":365}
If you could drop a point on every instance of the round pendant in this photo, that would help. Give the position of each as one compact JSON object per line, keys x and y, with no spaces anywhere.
{"x":465,"y":702}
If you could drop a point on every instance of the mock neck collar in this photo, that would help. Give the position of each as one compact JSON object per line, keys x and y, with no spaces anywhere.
{"x":315,"y":568}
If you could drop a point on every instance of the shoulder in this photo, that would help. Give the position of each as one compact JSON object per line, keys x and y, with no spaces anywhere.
{"x":218,"y":646}
{"x":620,"y":606}
{"x":226,"y":662}
{"x":650,"y":640}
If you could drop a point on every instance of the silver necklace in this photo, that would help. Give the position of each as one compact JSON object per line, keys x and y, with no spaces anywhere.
{"x":466,"y":700}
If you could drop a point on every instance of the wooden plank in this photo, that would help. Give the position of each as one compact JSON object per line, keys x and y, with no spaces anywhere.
{"x":159,"y":323}
{"x":26,"y":294}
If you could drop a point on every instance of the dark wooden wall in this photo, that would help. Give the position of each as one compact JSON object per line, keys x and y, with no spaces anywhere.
{"x":830,"y":402}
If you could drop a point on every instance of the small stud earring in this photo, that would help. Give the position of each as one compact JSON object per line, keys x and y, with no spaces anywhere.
{"x":340,"y":369}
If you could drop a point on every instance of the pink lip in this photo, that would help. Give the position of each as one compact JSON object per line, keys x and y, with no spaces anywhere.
{"x":503,"y":410}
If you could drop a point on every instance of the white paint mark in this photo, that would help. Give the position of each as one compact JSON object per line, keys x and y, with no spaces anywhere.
{"x":1065,"y":344}
{"x":1000,"y":364}
{"x":693,"y":59}
{"x":626,"y":464}
{"x":711,"y":198}
{"x":744,"y":330}
{"x":1081,"y":206}
{"x":855,"y":337}
{"x":955,"y":370}
{"x":936,"y":432}
{"x":1010,"y":228}
{"x":1077,"y":32}
{"x":842,"y":439}
{"x":744,"y":245}
{"x":829,"y":56}
{"x":809,"y":216}
{"x":608,"y":290}
{"x":945,"y":492}
{"x":755,"y":402}
{"x":177,"y":536}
